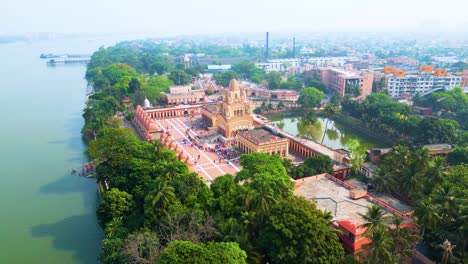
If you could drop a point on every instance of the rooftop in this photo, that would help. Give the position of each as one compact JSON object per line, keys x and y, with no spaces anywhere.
{"x":333,"y":195}
{"x":261,"y":136}
{"x":434,"y":147}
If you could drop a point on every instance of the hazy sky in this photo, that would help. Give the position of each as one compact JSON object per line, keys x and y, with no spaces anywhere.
{"x":175,"y":17}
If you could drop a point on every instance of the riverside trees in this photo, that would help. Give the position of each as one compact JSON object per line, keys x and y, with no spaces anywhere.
{"x":155,"y":209}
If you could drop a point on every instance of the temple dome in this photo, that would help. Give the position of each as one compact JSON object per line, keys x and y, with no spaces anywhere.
{"x":163,"y":136}
{"x":177,"y":149}
{"x":147,"y":103}
{"x":173,"y":145}
{"x":182,"y":156}
{"x":234,"y":85}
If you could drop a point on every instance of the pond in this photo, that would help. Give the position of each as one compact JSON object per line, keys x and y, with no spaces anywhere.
{"x":336,"y":136}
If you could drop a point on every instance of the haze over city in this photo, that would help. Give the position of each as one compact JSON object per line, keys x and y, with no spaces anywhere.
{"x":163,"y":18}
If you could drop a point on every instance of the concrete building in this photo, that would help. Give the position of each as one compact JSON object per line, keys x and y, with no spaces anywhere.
{"x":341,"y":79}
{"x":262,"y":140}
{"x":279,"y":65}
{"x":426,"y":80}
{"x":347,"y":202}
{"x":464,"y":82}
{"x":183,"y":94}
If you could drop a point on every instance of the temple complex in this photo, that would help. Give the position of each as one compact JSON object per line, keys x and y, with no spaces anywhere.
{"x":226,"y":128}
{"x":232,"y":113}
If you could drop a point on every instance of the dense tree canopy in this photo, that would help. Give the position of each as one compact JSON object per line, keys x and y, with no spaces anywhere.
{"x":310,"y":97}
{"x":181,"y":252}
{"x":381,"y":113}
{"x":296,"y":232}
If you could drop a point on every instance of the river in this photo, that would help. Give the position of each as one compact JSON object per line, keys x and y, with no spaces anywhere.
{"x":48,"y":215}
{"x":337,"y":135}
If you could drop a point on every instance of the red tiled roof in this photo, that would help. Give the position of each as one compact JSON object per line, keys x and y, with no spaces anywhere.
{"x":354,"y":227}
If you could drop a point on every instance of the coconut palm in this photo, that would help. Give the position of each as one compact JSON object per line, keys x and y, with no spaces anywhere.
{"x":434,"y":174}
{"x":426,"y":214}
{"x":404,"y":238}
{"x":374,"y":217}
{"x":262,"y":200}
{"x":447,"y":253}
{"x":162,"y":195}
{"x":446,"y":196}
{"x":380,"y":250}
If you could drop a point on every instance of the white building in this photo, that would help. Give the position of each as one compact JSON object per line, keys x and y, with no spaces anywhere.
{"x":283,"y":65}
{"x":280,"y":65}
{"x":419,"y":83}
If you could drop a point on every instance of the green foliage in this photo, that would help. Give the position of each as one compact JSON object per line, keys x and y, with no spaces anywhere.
{"x":379,"y":112}
{"x":180,"y":77}
{"x":111,"y":251}
{"x":357,"y":154}
{"x":310,"y":97}
{"x":310,"y":82}
{"x":452,"y":104}
{"x":265,"y":172}
{"x":154,"y":88}
{"x":274,"y":80}
{"x":118,"y":70}
{"x":295,"y":232}
{"x":292,"y":83}
{"x":248,"y":70}
{"x":437,"y":192}
{"x":458,"y":156}
{"x":224,"y":77}
{"x":311,"y":166}
{"x":181,"y":252}
{"x":113,"y":142}
{"x":114,"y":204}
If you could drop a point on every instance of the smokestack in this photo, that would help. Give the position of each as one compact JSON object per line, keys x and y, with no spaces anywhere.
{"x":266,"y":47}
{"x":294,"y":47}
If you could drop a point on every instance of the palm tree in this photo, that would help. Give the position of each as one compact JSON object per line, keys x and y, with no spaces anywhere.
{"x":374,"y":217}
{"x":262,"y":200}
{"x":435,"y":174}
{"x":426,"y":214}
{"x":163,"y":194}
{"x":329,"y":111}
{"x":404,"y":239}
{"x":380,"y":248}
{"x":447,"y":247}
{"x":446,"y":196}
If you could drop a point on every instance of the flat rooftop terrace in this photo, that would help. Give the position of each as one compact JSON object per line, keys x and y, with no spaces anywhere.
{"x":261,"y":136}
{"x":334,"y":197}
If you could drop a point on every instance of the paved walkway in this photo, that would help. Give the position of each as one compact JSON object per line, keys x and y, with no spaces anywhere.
{"x":206,"y":162}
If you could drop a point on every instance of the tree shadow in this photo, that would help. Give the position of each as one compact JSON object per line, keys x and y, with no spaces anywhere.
{"x":74,"y":184}
{"x":79,"y":234}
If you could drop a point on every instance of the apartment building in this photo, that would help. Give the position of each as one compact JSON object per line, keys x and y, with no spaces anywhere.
{"x":426,"y":80}
{"x":343,"y":79}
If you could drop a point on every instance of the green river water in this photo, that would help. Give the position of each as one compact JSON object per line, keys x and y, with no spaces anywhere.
{"x":48,"y":215}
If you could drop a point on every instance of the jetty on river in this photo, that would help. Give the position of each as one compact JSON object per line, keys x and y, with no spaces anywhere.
{"x":86,"y":170}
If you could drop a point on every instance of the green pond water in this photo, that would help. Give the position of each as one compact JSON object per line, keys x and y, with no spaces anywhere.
{"x":336,"y":136}
{"x":48,"y":215}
